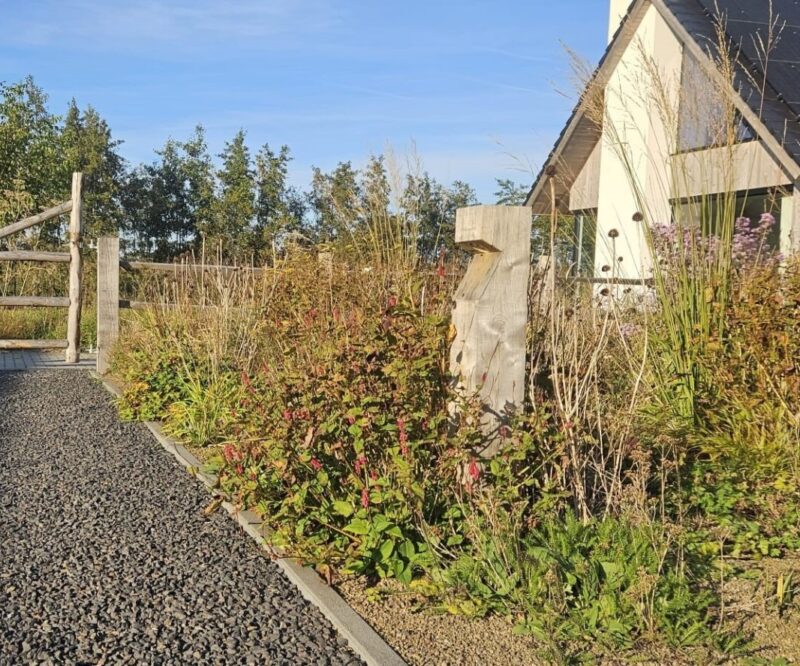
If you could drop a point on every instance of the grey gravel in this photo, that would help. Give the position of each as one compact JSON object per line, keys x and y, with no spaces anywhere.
{"x":106,"y":557}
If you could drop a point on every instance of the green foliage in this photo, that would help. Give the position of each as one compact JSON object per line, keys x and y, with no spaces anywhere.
{"x":615,"y":583}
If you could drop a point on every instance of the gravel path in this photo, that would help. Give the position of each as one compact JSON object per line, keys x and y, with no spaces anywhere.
{"x":105,"y":557}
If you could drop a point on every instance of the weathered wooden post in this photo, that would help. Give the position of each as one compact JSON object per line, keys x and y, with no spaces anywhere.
{"x":74,"y":316}
{"x":491,"y":312}
{"x":107,"y":299}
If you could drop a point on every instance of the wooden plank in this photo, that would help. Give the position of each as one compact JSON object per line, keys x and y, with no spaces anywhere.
{"x":34,"y":302}
{"x":132,"y":266}
{"x":32,"y":221}
{"x":74,"y":317}
{"x":33,"y":344}
{"x":25,"y":255}
{"x":107,"y":300}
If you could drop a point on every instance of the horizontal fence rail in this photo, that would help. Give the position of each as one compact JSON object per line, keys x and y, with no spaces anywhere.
{"x":33,"y":344}
{"x":133,"y":266}
{"x":34,"y":301}
{"x":32,"y":221}
{"x":645,"y":282}
{"x":28,"y":255}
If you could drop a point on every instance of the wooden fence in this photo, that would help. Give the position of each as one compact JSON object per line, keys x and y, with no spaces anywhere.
{"x":109,"y":302}
{"x":73,"y":257}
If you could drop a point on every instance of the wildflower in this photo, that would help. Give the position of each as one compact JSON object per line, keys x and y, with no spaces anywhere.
{"x":474,"y":470}
{"x":440,"y":270}
{"x":401,"y":424}
{"x":316,"y":464}
{"x":373,"y":475}
{"x":361,"y":462}
{"x":287,"y":415}
{"x":229,"y":452}
{"x":365,"y":498}
{"x":351,"y":419}
{"x":392,"y":301}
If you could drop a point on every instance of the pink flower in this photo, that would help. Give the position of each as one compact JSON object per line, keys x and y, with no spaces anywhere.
{"x":365,"y":498}
{"x":373,"y":475}
{"x":401,"y":424}
{"x":351,"y":419}
{"x":392,"y":301}
{"x":316,"y":464}
{"x":287,"y":415}
{"x":474,"y":470}
{"x":361,"y":461}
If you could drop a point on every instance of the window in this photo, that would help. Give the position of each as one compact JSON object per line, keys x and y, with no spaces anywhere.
{"x":703,"y":119}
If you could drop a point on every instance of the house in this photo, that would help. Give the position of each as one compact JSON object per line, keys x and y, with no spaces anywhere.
{"x":664,"y":53}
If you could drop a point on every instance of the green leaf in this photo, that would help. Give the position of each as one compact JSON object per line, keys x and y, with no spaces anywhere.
{"x":343,"y":508}
{"x":387,"y":548}
{"x":358,"y":526}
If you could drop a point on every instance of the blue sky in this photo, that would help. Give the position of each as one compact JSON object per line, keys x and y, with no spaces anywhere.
{"x":478,"y":90}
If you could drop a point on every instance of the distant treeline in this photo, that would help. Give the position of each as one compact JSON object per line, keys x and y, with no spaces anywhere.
{"x":241,"y":203}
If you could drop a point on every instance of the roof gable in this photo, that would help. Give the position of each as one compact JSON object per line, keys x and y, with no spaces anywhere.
{"x":775,"y":114}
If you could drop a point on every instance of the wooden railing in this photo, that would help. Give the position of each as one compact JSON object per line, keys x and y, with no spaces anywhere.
{"x":73,"y":257}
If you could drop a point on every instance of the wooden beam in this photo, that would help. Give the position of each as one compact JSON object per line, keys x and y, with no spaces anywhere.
{"x":132,"y":266}
{"x":107,"y":300}
{"x":491,"y":314}
{"x":25,"y":255}
{"x":32,"y":221}
{"x":34,"y":302}
{"x":33,"y":344}
{"x":73,"y":354}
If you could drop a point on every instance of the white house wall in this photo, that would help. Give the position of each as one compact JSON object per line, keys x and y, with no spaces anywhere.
{"x":636,"y":144}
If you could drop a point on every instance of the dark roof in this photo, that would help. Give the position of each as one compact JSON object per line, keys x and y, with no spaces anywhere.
{"x":747,"y":24}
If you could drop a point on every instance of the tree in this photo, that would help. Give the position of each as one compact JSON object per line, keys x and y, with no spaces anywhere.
{"x":234,"y":210}
{"x":168,"y":201}
{"x":510,"y":193}
{"x":280,"y":208}
{"x":29,"y":151}
{"x":431,"y":210}
{"x":335,"y":199}
{"x":86,"y":145}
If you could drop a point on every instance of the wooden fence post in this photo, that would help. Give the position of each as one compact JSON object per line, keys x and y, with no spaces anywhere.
{"x":74,"y":316}
{"x":107,"y":299}
{"x":491,"y":312}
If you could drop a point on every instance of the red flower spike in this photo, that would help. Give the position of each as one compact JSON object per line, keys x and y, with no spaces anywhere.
{"x":316,"y":464}
{"x":474,"y":470}
{"x":365,"y":498}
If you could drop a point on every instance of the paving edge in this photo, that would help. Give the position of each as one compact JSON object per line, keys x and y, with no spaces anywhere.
{"x":360,"y":636}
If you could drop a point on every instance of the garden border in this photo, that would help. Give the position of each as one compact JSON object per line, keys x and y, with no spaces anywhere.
{"x":360,"y":636}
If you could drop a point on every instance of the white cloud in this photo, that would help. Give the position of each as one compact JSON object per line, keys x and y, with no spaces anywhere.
{"x":194,"y":25}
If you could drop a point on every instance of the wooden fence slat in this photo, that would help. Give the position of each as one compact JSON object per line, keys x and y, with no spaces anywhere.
{"x":32,"y":221}
{"x":74,"y":317}
{"x":33,"y":344}
{"x":107,"y":300}
{"x":25,"y":255}
{"x":34,"y":301}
